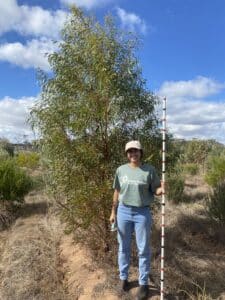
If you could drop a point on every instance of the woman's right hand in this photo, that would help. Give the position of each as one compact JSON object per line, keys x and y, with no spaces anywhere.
{"x":112,"y":218}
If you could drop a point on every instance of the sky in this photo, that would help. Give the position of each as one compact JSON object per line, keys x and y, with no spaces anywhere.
{"x":182,"y":56}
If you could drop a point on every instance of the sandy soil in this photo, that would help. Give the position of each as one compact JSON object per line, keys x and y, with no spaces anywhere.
{"x":81,"y":277}
{"x":85,"y":281}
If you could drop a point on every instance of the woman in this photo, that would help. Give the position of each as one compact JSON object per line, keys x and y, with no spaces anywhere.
{"x":134,"y":187}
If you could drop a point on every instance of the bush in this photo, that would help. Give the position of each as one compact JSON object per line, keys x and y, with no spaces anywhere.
{"x":216,"y":170}
{"x":29,"y":160}
{"x":6,"y":146}
{"x":14,"y":183}
{"x":3,"y":154}
{"x":196,"y":151}
{"x":9,"y":148}
{"x":175,"y":187}
{"x":190,"y":168}
{"x":216,"y":203}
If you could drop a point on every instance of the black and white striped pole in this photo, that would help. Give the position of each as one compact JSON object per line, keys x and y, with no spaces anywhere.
{"x":163,"y":200}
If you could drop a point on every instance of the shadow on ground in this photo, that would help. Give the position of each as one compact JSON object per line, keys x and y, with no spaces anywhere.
{"x":29,"y":209}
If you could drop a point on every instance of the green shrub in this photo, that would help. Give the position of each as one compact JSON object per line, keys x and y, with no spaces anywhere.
{"x":14,"y":183}
{"x":6,"y":146}
{"x":215,"y":170}
{"x":9,"y":148}
{"x":175,"y":187}
{"x":29,"y":160}
{"x":190,"y":168}
{"x":3,"y":154}
{"x":216,"y":203}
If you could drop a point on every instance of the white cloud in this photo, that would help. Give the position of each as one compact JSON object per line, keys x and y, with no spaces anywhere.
{"x":14,"y":113}
{"x":30,"y":20}
{"x":131,"y":21}
{"x":213,"y":131}
{"x":9,"y":13}
{"x":33,"y":54}
{"x":88,"y":4}
{"x":198,"y":88}
{"x":189,"y":114}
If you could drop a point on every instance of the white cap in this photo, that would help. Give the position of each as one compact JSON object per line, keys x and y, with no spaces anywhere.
{"x":133,"y":145}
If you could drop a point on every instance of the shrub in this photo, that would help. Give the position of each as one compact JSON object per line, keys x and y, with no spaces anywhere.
{"x":3,"y":154}
{"x":9,"y":148}
{"x":6,"y":146}
{"x":190,"y":168}
{"x":196,"y":151}
{"x":14,"y":183}
{"x":216,"y":203}
{"x":175,"y":187}
{"x":216,"y":170}
{"x":29,"y":160}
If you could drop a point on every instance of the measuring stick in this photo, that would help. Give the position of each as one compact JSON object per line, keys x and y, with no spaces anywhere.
{"x":163,"y":200}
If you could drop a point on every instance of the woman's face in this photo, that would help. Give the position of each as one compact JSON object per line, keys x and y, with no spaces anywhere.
{"x":134,"y":155}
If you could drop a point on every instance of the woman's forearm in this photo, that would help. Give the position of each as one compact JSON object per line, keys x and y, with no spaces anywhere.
{"x":115,"y":201}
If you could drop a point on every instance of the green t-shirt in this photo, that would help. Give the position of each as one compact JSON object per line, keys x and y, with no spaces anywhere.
{"x":136,"y":186}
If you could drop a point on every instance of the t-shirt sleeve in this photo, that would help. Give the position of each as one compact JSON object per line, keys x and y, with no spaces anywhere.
{"x":116,"y":182}
{"x":155,"y":181}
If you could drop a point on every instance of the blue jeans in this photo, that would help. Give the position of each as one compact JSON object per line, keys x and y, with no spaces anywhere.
{"x":134,"y":219}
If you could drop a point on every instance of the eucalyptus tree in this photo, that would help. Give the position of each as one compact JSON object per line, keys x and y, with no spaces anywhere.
{"x":93,"y":102}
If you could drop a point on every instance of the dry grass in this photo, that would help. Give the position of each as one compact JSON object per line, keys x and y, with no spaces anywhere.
{"x":194,"y":248}
{"x":199,"y":295}
{"x":29,"y":266}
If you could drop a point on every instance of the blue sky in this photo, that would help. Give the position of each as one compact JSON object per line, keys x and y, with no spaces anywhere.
{"x":182,"y":57}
